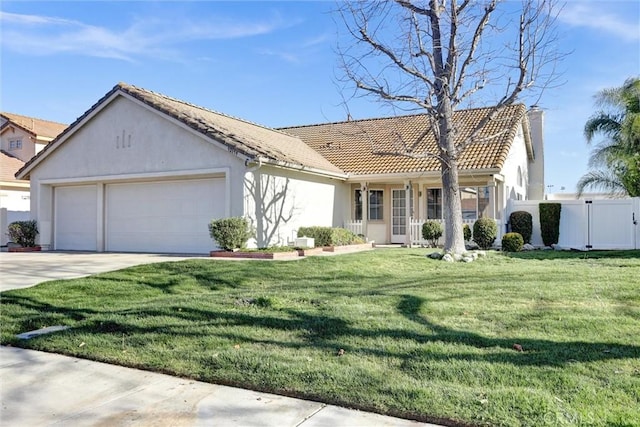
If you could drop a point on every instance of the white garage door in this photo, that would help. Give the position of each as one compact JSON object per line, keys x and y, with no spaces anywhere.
{"x":167,"y":216}
{"x":75,"y":216}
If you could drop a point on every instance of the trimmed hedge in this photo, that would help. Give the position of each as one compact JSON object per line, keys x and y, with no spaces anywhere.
{"x":512,"y":242}
{"x":467,"y":232}
{"x":432,"y":231}
{"x":330,"y":236}
{"x":485,"y":232}
{"x":230,"y":233}
{"x":550,"y":222}
{"x":522,"y":222}
{"x":24,"y":233}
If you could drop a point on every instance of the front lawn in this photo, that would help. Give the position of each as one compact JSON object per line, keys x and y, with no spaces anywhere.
{"x":421,"y":339}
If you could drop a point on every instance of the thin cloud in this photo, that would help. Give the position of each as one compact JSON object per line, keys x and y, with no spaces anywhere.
{"x":595,"y":16}
{"x":158,"y":38}
{"x":286,"y":56}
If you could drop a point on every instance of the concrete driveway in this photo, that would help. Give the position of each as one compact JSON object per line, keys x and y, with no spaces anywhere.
{"x":25,"y":269}
{"x":43,"y":389}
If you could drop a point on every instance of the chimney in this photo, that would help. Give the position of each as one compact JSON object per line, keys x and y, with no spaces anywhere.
{"x":536,"y":166}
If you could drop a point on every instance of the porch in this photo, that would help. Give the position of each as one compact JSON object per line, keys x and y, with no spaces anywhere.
{"x":415,"y":230}
{"x":393,"y":213}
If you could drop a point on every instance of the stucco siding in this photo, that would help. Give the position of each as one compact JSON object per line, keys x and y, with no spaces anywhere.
{"x":124,"y":138}
{"x":278,"y":202}
{"x":515,"y":170}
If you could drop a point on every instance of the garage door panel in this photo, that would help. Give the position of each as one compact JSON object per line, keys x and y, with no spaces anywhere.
{"x":171,"y":216}
{"x":75,"y":216}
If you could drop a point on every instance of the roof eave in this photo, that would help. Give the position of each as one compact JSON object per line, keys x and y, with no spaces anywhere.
{"x":302,"y":168}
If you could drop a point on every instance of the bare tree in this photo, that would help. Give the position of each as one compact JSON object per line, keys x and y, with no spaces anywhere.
{"x":438,"y":55}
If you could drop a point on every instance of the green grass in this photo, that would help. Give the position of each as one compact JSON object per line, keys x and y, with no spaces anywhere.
{"x":423,"y":339}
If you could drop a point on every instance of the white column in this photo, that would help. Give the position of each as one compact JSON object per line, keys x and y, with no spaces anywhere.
{"x":364,"y":193}
{"x":407,"y":203}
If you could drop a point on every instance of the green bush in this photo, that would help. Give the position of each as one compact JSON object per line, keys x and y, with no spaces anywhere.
{"x":230,"y":233}
{"x":321,"y":235}
{"x":512,"y":242}
{"x":550,"y":222}
{"x":467,"y":232}
{"x":522,"y":222}
{"x":485,"y":232}
{"x":24,"y":232}
{"x":329,"y":236}
{"x":432,"y":231}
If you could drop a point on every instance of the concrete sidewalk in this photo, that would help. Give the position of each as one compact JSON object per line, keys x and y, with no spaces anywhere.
{"x":42,"y":389}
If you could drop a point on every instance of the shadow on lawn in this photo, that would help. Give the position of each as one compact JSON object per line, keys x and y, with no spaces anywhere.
{"x":315,"y":330}
{"x":536,"y":352}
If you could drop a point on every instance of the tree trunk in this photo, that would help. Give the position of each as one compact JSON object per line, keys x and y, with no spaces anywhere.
{"x":453,"y":232}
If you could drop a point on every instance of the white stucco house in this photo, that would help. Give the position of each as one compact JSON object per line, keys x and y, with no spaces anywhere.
{"x":21,"y":138}
{"x":144,"y":172}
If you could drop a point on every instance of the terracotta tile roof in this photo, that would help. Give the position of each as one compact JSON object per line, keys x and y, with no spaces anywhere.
{"x":368,"y":146}
{"x":8,"y":166}
{"x":38,"y":127}
{"x":239,"y":135}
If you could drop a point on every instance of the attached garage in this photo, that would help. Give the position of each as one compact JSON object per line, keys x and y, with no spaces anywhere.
{"x":143,"y":172}
{"x":75,"y":218}
{"x":165,"y":216}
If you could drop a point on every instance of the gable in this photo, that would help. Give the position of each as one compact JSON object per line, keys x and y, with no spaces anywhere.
{"x":124,"y":137}
{"x":375,"y":146}
{"x":42,"y":129}
{"x":246,"y":140}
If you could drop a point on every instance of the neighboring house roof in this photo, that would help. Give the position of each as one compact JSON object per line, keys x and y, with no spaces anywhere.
{"x":253,"y":141}
{"x":44,"y":129}
{"x":372,"y":146}
{"x":8,"y":167}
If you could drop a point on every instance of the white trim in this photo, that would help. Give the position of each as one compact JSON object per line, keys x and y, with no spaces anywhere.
{"x":192,"y":173}
{"x":382,"y":177}
{"x":305,"y":169}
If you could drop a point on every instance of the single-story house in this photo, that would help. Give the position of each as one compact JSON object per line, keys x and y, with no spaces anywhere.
{"x":21,"y":138}
{"x":144,"y":172}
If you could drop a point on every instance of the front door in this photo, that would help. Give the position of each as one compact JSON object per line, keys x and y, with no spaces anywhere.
{"x":399,"y":226}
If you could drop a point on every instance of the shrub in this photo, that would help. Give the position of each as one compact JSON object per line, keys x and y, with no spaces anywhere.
{"x":342,"y":236}
{"x":328,"y":236}
{"x":321,"y":235}
{"x":230,"y":233}
{"x":432,"y":231}
{"x":485,"y":231}
{"x":24,"y":232}
{"x":467,"y":232}
{"x":512,"y":242}
{"x":550,"y":222}
{"x":522,"y":222}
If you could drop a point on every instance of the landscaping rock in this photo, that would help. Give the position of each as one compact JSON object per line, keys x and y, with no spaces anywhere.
{"x":457,"y":257}
{"x":471,"y":246}
{"x":435,"y":255}
{"x":528,"y":247}
{"x":481,"y":253}
{"x":448,"y":258}
{"x":467,"y":259}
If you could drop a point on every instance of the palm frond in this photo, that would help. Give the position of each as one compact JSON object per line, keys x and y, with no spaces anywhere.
{"x":601,"y":180}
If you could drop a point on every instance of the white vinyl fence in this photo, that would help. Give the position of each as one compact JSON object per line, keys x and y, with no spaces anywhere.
{"x":589,"y":224}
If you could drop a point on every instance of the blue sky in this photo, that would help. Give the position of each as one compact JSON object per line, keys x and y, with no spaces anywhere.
{"x":273,"y":63}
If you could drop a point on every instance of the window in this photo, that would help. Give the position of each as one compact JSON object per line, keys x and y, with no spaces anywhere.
{"x":469,"y":201}
{"x":15,"y":144}
{"x":483,"y":202}
{"x":358,"y":205}
{"x":434,"y":203}
{"x":375,"y":204}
